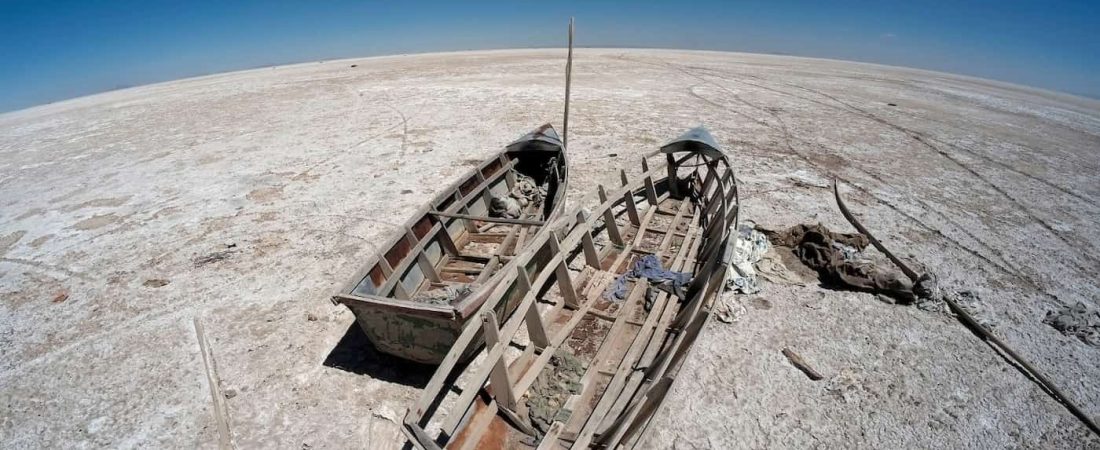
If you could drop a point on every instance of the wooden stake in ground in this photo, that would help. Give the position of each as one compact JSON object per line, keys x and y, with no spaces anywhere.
{"x":221,"y":412}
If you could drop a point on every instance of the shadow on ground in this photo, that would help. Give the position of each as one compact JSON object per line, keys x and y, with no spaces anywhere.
{"x":356,"y":354}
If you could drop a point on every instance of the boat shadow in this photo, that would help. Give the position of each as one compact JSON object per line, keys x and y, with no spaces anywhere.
{"x":356,"y":354}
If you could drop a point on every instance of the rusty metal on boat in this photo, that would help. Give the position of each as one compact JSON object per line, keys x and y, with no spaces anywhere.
{"x":414,"y":298}
{"x":574,"y":366}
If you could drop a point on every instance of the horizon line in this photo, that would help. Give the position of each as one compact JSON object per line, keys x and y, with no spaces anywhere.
{"x":1094,"y":97}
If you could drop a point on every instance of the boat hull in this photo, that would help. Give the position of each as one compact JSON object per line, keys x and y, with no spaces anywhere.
{"x":454,"y":243}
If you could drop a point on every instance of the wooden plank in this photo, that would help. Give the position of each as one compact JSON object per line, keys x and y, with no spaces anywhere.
{"x":521,"y":238}
{"x":536,"y":329}
{"x":490,"y":268}
{"x":550,"y":439}
{"x":445,"y":240}
{"x":631,"y":208}
{"x":489,"y":219}
{"x":501,"y":381}
{"x":434,"y":386}
{"x":591,"y":257}
{"x":462,"y":270}
{"x":609,"y":220}
{"x":426,"y":266}
{"x":603,"y":357}
{"x":594,"y":287}
{"x":509,"y":176}
{"x":646,"y":407}
{"x":673,"y":353}
{"x":673,"y":181}
{"x":471,"y":227}
{"x":387,"y":302}
{"x":561,"y":272}
{"x":667,"y":241}
{"x":393,"y":281}
{"x":478,"y":425}
{"x":484,"y":194}
{"x":617,"y":328}
{"x":517,"y":422}
{"x":422,"y":437}
{"x":650,"y":191}
{"x":221,"y":410}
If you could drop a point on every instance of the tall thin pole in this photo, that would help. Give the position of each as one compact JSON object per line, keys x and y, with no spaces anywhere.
{"x":568,"y":77}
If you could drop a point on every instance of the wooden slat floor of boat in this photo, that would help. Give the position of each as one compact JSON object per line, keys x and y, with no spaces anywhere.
{"x":593,"y":289}
{"x":616,"y":348}
{"x":476,"y":249}
{"x":617,"y":401}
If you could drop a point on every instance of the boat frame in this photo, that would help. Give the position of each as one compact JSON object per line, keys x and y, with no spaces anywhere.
{"x":632,"y":393}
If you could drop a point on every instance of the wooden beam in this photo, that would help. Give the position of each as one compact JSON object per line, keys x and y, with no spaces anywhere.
{"x":627,"y":424}
{"x":591,"y":257}
{"x":422,"y":437}
{"x":509,"y":176}
{"x":489,"y":269}
{"x":673,"y":182}
{"x":609,"y":220}
{"x":475,"y":430}
{"x":221,"y":411}
{"x":631,"y":208}
{"x":501,"y":381}
{"x":489,"y":219}
{"x":650,"y":191}
{"x":565,"y":281}
{"x":550,"y":439}
{"x":536,"y":329}
{"x":426,"y":266}
{"x":445,"y":240}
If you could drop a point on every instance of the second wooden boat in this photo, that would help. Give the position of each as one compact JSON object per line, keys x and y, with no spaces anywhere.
{"x":606,"y":314}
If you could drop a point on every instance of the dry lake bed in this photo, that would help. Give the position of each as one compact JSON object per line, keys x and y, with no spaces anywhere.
{"x":242,"y":201}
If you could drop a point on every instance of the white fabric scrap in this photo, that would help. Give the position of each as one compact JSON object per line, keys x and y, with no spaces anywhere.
{"x":747,"y":251}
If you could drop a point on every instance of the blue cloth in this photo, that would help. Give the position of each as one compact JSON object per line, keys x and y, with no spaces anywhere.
{"x":648,"y":267}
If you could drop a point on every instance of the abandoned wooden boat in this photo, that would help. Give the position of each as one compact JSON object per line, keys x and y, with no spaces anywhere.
{"x":596,"y":339}
{"x":413,"y":299}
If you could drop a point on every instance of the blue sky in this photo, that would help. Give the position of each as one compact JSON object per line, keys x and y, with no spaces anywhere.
{"x":54,"y":50}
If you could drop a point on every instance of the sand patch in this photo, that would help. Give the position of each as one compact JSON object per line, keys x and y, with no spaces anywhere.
{"x":31,"y":213}
{"x":97,"y":221}
{"x":266,"y":194}
{"x":10,"y":239}
{"x":37,"y":242}
{"x":97,"y":203}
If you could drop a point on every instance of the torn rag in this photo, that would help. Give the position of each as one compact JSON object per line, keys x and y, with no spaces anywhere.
{"x":648,"y":267}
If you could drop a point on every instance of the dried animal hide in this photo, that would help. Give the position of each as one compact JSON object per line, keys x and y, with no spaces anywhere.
{"x":837,"y":258}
